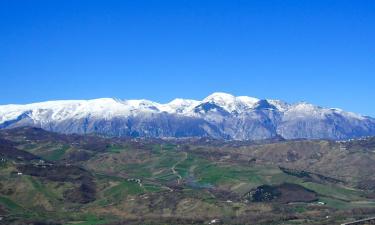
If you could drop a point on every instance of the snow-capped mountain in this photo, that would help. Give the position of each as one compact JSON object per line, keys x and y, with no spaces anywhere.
{"x":219,"y":115}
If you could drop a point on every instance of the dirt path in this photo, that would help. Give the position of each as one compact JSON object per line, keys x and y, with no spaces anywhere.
{"x":174,"y":168}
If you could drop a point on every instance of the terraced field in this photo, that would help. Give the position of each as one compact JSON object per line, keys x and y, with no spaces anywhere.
{"x":68,"y":179}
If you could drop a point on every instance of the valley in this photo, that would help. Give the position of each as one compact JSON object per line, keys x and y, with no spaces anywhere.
{"x":50,"y":178}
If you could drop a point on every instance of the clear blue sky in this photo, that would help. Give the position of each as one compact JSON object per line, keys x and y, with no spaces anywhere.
{"x":322,"y":52}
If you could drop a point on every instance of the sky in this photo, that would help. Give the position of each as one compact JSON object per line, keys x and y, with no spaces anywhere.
{"x":319,"y":51}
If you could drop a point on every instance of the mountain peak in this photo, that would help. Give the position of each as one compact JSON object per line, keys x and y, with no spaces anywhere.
{"x":219,"y":97}
{"x":230,"y":102}
{"x":220,"y":115}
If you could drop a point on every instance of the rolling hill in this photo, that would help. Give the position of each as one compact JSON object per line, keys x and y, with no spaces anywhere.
{"x":52,"y":178}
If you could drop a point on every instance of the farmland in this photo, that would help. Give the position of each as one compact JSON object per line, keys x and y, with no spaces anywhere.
{"x":71,"y":179}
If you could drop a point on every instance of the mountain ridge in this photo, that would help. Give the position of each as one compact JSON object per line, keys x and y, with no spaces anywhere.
{"x":219,"y":115}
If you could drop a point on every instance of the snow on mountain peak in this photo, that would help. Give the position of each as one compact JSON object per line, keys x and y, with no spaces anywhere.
{"x":247,"y":100}
{"x":179,"y":105}
{"x":304,"y":109}
{"x":182,"y":102}
{"x":219,"y":97}
{"x":141,"y":104}
{"x":231,"y":103}
{"x":109,"y":107}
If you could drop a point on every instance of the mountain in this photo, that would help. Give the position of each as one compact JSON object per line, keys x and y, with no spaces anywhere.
{"x":219,"y":115}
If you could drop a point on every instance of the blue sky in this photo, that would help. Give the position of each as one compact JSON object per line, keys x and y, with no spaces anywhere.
{"x":322,"y":52}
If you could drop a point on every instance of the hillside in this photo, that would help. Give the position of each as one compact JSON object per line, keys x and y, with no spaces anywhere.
{"x":51,"y":178}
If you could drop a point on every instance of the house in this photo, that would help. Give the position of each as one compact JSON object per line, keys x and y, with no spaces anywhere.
{"x":214,"y":221}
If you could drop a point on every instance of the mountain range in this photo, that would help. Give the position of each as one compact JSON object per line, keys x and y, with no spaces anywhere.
{"x":220,"y":116}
